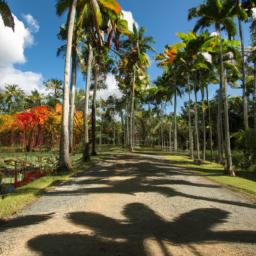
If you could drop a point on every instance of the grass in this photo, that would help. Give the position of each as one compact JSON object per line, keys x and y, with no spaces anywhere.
{"x":215,"y":172}
{"x":21,"y":197}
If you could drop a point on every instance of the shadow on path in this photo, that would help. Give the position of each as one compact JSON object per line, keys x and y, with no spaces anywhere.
{"x":115,"y":237}
{"x":23,"y":221}
{"x":141,"y":175}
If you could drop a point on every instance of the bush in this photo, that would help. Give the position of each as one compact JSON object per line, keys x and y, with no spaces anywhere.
{"x":246,"y":140}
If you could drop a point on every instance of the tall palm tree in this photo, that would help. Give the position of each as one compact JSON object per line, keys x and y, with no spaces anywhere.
{"x":55,"y":88}
{"x":62,"y":35}
{"x":6,"y":14}
{"x":86,"y":152}
{"x":168,"y":90}
{"x":14,"y":98}
{"x":242,"y":15}
{"x":188,"y":57}
{"x":64,"y":158}
{"x":135,"y":63}
{"x":91,"y":9}
{"x":218,"y":13}
{"x":35,"y":99}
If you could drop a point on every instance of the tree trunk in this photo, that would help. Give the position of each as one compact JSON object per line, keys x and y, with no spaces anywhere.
{"x":96,"y":80}
{"x":127,"y":126}
{"x":175,"y":122}
{"x":220,"y":127}
{"x":196,"y":128}
{"x":72,"y":102}
{"x":229,"y":167}
{"x":191,"y":143}
{"x":123,"y":128}
{"x":210,"y":122}
{"x":86,"y":151}
{"x":254,"y":96}
{"x":203,"y":121}
{"x":132,"y":113}
{"x":245,"y":97}
{"x":64,"y":158}
{"x":162,"y":134}
{"x":101,"y":130}
{"x":170,"y":137}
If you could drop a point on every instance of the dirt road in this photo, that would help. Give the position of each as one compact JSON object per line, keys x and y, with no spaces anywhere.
{"x":134,"y":205}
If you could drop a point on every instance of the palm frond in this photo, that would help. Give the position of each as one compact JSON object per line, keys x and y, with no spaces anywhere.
{"x":6,"y":14}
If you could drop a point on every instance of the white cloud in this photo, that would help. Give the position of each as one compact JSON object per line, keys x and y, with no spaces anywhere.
{"x":12,"y":44}
{"x":12,"y":51}
{"x":111,"y":90}
{"x":27,"y":81}
{"x":254,"y":13}
{"x":129,"y":17}
{"x":32,"y":23}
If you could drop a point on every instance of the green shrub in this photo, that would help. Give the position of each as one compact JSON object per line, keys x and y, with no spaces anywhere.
{"x":246,"y":140}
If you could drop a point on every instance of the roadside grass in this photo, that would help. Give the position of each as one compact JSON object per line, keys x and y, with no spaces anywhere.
{"x":215,"y":172}
{"x":21,"y":197}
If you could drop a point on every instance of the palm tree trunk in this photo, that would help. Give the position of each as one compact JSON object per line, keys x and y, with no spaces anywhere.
{"x":210,"y":122}
{"x":170,"y":136}
{"x":220,"y":126}
{"x":229,"y":167}
{"x":64,"y":158}
{"x":175,"y":122}
{"x":96,"y":80}
{"x":203,"y":123}
{"x":196,"y":127}
{"x":123,"y":128}
{"x":72,"y":103}
{"x":191,"y":143}
{"x":132,"y":114}
{"x":245,"y":98}
{"x":101,"y":126}
{"x":162,"y":135}
{"x":127,"y":124}
{"x":86,"y":151}
{"x":254,"y":96}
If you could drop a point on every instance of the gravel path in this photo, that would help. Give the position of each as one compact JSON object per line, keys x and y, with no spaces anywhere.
{"x":134,"y":205}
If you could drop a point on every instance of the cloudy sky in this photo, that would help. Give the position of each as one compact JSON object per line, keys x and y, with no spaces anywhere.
{"x":28,"y":56}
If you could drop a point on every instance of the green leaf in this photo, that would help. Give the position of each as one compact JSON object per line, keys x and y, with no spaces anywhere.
{"x":122,"y":27}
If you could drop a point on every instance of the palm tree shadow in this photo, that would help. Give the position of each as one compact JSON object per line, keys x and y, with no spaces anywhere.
{"x":127,"y":237}
{"x":23,"y":221}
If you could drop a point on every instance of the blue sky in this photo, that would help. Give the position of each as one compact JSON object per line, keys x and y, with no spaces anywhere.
{"x":162,"y":20}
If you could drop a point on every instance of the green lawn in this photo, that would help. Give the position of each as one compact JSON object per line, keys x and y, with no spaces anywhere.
{"x":215,"y":172}
{"x":22,"y":196}
{"x":15,"y":201}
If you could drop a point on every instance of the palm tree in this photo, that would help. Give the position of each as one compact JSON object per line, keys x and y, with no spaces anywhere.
{"x":242,"y":15}
{"x":188,"y":56}
{"x":14,"y":98}
{"x":86,"y":68}
{"x":134,"y":63}
{"x":169,"y":90}
{"x":62,"y":35}
{"x":6,"y":14}
{"x":64,"y":158}
{"x":106,"y":18}
{"x":55,"y":87}
{"x":218,"y":13}
{"x":35,"y":99}
{"x":209,"y":121}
